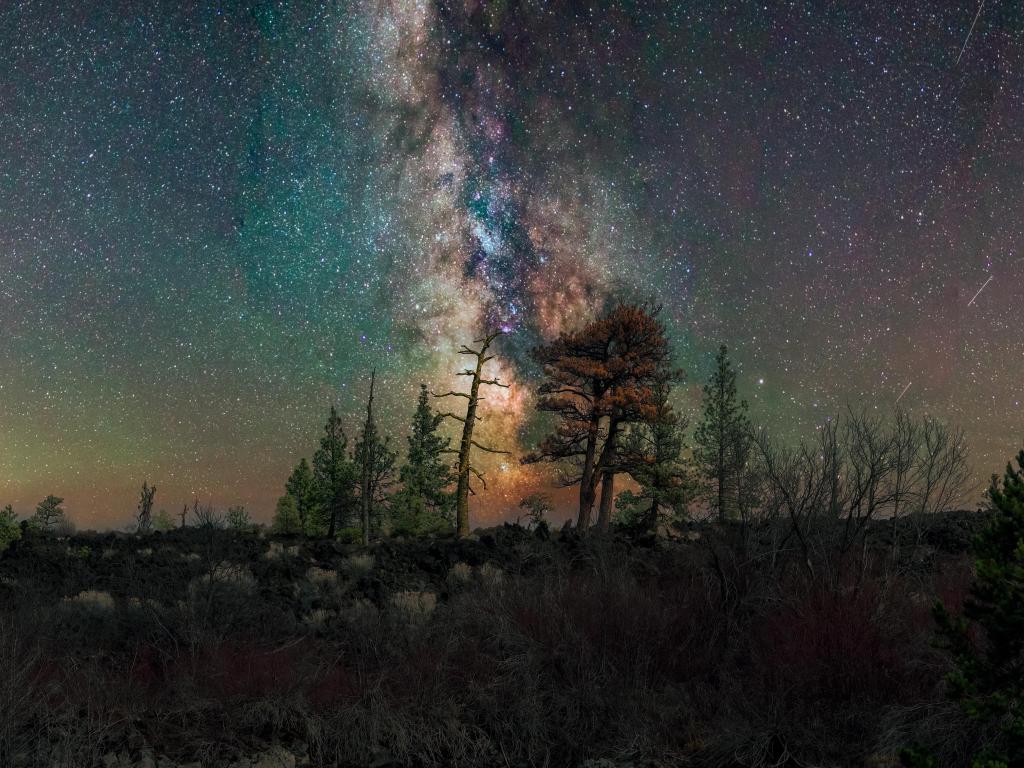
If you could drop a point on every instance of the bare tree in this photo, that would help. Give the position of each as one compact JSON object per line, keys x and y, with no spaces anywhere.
{"x":466,"y":445}
{"x":145,"y":514}
{"x":858,"y":469}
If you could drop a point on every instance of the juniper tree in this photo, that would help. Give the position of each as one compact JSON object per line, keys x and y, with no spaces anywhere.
{"x":424,"y":502}
{"x":723,"y":436}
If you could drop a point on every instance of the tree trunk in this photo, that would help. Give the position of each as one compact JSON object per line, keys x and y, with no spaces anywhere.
{"x":369,"y":454}
{"x":652,"y":513}
{"x":587,"y":479}
{"x":604,"y":512}
{"x":607,"y":464}
{"x":465,"y":446}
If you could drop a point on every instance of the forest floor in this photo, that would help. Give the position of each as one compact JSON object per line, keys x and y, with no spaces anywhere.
{"x":716,"y":645}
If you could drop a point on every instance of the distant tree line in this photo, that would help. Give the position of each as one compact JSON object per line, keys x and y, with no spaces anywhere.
{"x":606,"y":391}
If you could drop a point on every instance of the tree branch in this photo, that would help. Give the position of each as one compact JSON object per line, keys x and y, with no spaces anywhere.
{"x":489,"y":450}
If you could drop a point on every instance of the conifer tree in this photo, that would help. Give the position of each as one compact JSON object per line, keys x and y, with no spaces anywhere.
{"x":598,"y":379}
{"x":49,"y":514}
{"x":301,"y":487}
{"x":10,"y":531}
{"x":286,"y":517}
{"x":653,"y":457}
{"x":723,"y":437}
{"x":987,"y":642}
{"x":376,"y":462}
{"x":424,"y":503}
{"x":334,"y":474}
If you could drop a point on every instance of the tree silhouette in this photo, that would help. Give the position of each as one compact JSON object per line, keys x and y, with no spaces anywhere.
{"x":987,"y":643}
{"x":301,"y":487}
{"x":334,"y":474}
{"x":467,"y":443}
{"x":145,"y":513}
{"x":652,"y":454}
{"x":49,"y":513}
{"x":424,"y":502}
{"x":376,"y":463}
{"x":286,"y":517}
{"x":723,"y":437}
{"x":9,"y":529}
{"x":599,"y":379}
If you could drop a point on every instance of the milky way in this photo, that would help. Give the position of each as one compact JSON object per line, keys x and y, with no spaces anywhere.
{"x":216,"y":219}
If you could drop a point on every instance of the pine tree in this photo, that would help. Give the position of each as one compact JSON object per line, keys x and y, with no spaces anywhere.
{"x":723,"y":438}
{"x":286,"y":517}
{"x":653,"y":456}
{"x":301,"y":487}
{"x":376,"y":462}
{"x":334,"y":474}
{"x":10,"y":531}
{"x":599,"y":379}
{"x":49,"y":514}
{"x":424,"y":503}
{"x":989,"y":675}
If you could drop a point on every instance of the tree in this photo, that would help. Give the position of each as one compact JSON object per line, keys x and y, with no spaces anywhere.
{"x":424,"y":503}
{"x":238,"y":519}
{"x":466,"y":445}
{"x":162,"y":521}
{"x":599,"y":379}
{"x":858,"y":467}
{"x":206,"y":516}
{"x":334,"y":475}
{"x":537,"y":507}
{"x":723,"y":438}
{"x":10,"y":531}
{"x":302,"y":488}
{"x":286,"y":517}
{"x":653,"y":457}
{"x":987,"y":642}
{"x":49,"y":514}
{"x":376,"y":462}
{"x":145,"y":514}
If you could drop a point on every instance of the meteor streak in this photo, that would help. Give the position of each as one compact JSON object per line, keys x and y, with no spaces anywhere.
{"x":967,"y":39}
{"x":979,"y":291}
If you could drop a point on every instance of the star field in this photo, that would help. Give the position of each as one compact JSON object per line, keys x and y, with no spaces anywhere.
{"x":216,"y":218}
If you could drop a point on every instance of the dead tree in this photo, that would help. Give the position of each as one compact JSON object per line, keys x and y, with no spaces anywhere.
{"x":466,"y":445}
{"x":145,"y":515}
{"x":367,"y":454}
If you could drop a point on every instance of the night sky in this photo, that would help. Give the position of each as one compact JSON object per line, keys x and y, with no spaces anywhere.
{"x":215,"y":219}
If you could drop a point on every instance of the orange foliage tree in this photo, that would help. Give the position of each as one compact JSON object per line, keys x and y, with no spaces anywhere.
{"x":597,"y":380}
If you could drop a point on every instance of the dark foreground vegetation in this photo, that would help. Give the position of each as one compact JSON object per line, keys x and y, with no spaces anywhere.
{"x":710,"y":645}
{"x":744,"y":602}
